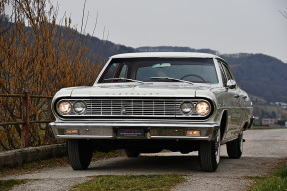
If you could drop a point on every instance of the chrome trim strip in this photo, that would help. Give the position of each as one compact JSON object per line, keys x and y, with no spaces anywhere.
{"x":102,"y":71}
{"x":179,"y":137}
{"x":119,"y":124}
{"x":84,"y":137}
{"x":111,"y":137}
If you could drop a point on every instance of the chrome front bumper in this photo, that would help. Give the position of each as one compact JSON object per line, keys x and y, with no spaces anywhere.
{"x":107,"y":130}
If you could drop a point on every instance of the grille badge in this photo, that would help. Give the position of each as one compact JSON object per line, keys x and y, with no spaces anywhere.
{"x":123,"y":110}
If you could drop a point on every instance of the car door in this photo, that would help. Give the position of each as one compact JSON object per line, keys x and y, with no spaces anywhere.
{"x":246,"y":112}
{"x":233,"y":100}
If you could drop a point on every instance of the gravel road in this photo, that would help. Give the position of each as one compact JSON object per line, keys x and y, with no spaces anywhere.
{"x":263,"y":150}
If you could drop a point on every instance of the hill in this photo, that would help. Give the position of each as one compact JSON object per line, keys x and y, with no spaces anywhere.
{"x":260,"y":75}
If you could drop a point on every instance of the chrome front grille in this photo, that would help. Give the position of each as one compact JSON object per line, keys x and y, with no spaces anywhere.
{"x":134,"y":108}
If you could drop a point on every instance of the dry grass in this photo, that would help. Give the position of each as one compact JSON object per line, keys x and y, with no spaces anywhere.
{"x":49,"y":163}
{"x":131,"y":182}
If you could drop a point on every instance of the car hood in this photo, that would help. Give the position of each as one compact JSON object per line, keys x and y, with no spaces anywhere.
{"x":137,"y":90}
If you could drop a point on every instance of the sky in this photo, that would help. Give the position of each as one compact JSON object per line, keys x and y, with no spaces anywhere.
{"x":227,"y":26}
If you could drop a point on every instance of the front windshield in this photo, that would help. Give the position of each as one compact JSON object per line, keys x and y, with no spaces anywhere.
{"x":196,"y":70}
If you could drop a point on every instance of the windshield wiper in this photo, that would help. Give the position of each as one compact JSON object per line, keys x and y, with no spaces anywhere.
{"x":174,"y":79}
{"x":127,"y":79}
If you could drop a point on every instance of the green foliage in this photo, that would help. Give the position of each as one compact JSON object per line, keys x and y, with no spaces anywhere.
{"x":131,"y":182}
{"x":276,"y":182}
{"x":267,"y":127}
{"x":6,"y":185}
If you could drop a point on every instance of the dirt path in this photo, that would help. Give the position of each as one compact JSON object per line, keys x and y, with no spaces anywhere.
{"x":263,"y":150}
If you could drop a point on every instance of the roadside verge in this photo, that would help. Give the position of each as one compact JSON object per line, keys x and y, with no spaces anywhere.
{"x":18,"y":157}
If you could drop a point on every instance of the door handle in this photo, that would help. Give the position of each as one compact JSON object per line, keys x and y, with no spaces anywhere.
{"x":236,"y":96}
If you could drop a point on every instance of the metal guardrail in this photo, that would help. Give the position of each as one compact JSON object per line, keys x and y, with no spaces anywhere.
{"x":23,"y":95}
{"x":26,"y":97}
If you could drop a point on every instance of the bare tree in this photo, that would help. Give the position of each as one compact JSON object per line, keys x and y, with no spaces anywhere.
{"x":283,"y":14}
{"x":40,"y":57}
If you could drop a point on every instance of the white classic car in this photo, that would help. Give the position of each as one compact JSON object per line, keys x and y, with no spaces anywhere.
{"x":147,"y":102}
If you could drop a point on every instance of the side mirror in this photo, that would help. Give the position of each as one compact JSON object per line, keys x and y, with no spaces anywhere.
{"x":231,"y":84}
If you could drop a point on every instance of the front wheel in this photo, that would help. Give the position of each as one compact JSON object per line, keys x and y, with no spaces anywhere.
{"x":80,"y":153}
{"x":209,"y":154}
{"x":235,"y":148}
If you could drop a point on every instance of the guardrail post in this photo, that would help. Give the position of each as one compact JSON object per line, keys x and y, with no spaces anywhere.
{"x":25,"y":119}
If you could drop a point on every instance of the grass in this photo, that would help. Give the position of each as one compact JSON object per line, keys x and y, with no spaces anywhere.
{"x":49,"y":163}
{"x":267,"y":127}
{"x":131,"y":182}
{"x":275,"y":182}
{"x":33,"y":166}
{"x":6,"y":185}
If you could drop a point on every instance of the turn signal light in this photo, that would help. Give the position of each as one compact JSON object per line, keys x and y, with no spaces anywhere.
{"x":72,"y":131}
{"x":193,"y":133}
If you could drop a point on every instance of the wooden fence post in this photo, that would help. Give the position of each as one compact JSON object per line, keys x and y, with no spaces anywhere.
{"x":25,"y":118}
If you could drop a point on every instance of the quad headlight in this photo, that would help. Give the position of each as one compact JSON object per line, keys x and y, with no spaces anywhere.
{"x":186,"y":107}
{"x":64,"y":107}
{"x":202,"y":108}
{"x":79,"y":107}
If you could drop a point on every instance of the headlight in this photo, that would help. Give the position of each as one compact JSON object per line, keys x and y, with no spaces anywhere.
{"x":79,"y":107}
{"x":202,"y":108}
{"x":64,"y":107}
{"x":186,"y":107}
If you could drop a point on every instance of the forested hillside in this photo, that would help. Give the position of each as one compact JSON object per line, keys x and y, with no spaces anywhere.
{"x":260,"y":75}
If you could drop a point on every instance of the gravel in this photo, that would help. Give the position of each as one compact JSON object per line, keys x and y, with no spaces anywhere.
{"x":263,"y":151}
{"x":50,"y":184}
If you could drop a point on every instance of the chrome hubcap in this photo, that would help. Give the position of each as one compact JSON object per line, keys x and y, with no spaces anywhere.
{"x":241,"y":141}
{"x":217,"y":147}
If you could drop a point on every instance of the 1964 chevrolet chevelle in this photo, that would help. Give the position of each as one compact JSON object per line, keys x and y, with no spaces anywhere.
{"x":147,"y":102}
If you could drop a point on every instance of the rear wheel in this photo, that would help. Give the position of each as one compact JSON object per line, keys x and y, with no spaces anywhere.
{"x":235,"y":148}
{"x":209,"y":154}
{"x":131,"y":153}
{"x":80,"y":153}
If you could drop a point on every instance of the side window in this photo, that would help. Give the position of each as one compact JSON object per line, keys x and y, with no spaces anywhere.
{"x":224,"y":78}
{"x":112,"y":71}
{"x":116,"y":70}
{"x":228,"y":74}
{"x":124,"y":71}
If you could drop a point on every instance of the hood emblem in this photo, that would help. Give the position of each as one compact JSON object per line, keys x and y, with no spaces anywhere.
{"x":123,"y":110}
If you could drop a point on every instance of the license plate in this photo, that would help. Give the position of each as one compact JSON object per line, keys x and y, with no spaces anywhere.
{"x":129,"y":132}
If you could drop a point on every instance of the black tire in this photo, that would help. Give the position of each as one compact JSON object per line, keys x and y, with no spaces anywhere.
{"x":131,"y":153}
{"x":79,"y":153}
{"x":235,"y":148}
{"x":209,"y":154}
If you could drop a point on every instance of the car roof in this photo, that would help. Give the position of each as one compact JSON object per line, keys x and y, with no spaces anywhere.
{"x":165,"y":55}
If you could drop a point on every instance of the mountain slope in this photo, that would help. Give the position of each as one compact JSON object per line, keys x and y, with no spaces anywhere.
{"x":260,"y":75}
